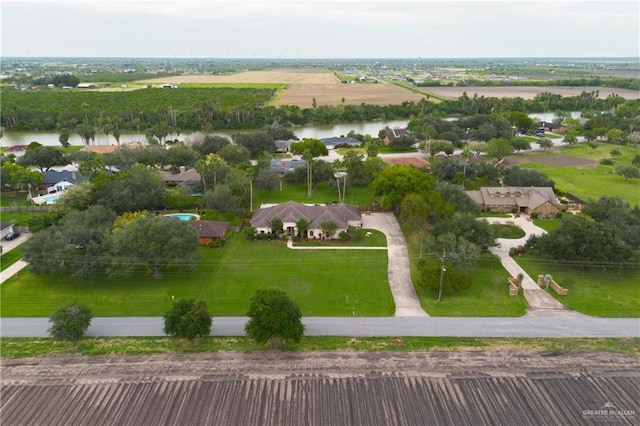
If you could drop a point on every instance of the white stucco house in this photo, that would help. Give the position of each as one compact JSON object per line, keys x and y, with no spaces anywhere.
{"x":343,"y":215}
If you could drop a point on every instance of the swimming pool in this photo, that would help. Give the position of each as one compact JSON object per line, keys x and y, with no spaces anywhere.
{"x":183,"y":216}
{"x":46,"y":199}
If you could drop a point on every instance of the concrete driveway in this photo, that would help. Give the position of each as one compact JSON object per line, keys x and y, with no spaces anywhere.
{"x":540,"y":302}
{"x":404,"y":295}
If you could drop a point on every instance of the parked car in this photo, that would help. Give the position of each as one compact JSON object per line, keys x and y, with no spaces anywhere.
{"x":12,"y":236}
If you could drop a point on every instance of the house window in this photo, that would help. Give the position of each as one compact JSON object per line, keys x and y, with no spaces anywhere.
{"x":311,"y":233}
{"x":262,"y":232}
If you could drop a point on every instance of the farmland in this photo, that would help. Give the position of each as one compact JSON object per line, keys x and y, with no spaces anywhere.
{"x":334,"y":387}
{"x":526,"y":92}
{"x":302,"y":86}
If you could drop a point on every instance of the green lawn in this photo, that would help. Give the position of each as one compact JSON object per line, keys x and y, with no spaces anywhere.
{"x":8,"y":199}
{"x":507,"y":231}
{"x":547,"y":224}
{"x":322,"y":282}
{"x":10,"y":258}
{"x":590,"y":181}
{"x":322,"y":194}
{"x":376,"y":239}
{"x":488,"y":295}
{"x":603,"y":293}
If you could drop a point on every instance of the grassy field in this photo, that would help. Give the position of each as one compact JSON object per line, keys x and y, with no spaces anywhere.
{"x":27,"y":347}
{"x":375,"y":239}
{"x":588,"y":181}
{"x":9,"y":199}
{"x":591,"y":291}
{"x":322,"y":282}
{"x":547,"y":224}
{"x":488,"y":295}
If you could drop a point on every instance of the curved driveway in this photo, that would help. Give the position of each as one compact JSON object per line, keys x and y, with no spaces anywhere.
{"x":540,"y":302}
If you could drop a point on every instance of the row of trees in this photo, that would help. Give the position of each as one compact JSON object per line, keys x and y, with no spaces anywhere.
{"x":172,"y":111}
{"x":274,"y":319}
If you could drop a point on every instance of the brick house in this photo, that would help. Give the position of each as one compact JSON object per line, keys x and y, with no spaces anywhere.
{"x":516,"y":199}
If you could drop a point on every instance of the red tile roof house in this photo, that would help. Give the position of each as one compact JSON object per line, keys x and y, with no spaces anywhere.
{"x":343,"y":215}
{"x":510,"y":199}
{"x":209,"y":230}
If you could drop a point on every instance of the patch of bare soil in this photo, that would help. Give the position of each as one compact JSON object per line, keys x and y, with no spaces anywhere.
{"x":332,"y":363}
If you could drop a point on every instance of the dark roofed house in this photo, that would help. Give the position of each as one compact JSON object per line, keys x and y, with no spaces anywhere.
{"x":53,"y":177}
{"x":395,"y":133}
{"x":343,"y":215}
{"x":283,"y":145}
{"x":209,"y":230}
{"x":285,"y":166}
{"x":516,"y":199}
{"x":337,"y":142}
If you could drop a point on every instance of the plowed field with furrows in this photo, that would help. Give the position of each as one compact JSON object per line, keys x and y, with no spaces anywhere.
{"x":325,"y":389}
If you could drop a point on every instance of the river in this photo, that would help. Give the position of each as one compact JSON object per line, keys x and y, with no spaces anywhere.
{"x":318,"y":132}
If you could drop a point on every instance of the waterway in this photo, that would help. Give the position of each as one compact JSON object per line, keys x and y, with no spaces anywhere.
{"x":325,"y":131}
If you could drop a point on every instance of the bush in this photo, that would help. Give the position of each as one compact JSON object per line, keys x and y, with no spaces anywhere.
{"x":274,"y":318}
{"x":70,"y":322}
{"x":188,"y":319}
{"x":607,"y":162}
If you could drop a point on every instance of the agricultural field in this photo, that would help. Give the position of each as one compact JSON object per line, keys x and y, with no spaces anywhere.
{"x":526,"y":92}
{"x":302,"y":86}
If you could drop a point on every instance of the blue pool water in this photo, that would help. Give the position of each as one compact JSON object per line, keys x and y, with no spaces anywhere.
{"x":183,"y":216}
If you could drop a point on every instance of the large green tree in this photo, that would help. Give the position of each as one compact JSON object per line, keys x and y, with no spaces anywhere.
{"x":140,"y":188}
{"x":309,"y":149}
{"x":43,"y":157}
{"x":396,"y":182}
{"x":274,"y":318}
{"x":152,"y":243}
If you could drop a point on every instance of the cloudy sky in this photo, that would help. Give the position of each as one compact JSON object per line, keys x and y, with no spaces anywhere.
{"x":320,"y":28}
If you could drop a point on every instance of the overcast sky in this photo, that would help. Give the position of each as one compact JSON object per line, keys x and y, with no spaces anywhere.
{"x":320,"y":28}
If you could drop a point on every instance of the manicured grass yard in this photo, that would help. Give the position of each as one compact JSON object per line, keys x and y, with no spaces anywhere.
{"x":548,"y":224}
{"x":322,"y":282}
{"x":10,"y":258}
{"x":603,"y":293}
{"x":488,"y":295}
{"x":507,"y":231}
{"x":376,"y":239}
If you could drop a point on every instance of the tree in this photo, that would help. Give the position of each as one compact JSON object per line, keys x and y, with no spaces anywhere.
{"x":456,"y":195}
{"x":465,"y":225}
{"x":276,"y":225}
{"x":187,"y":319}
{"x":499,"y":148}
{"x":274,"y":318}
{"x":78,"y":244}
{"x":628,"y":172}
{"x":64,"y":137}
{"x":70,"y":322}
{"x":151,"y":243}
{"x":86,"y":132}
{"x":329,"y":228}
{"x":466,"y":155}
{"x":517,"y":176}
{"x":267,"y":180}
{"x":520,"y":144}
{"x":20,"y":177}
{"x":181,"y":155}
{"x":256,"y":143}
{"x":211,"y":164}
{"x":235,"y":154}
{"x":521,"y":120}
{"x":309,"y":149}
{"x":396,"y":182}
{"x":43,"y":157}
{"x":137,"y":189}
{"x":545,"y":143}
{"x":221,"y":199}
{"x":303,"y":226}
{"x":91,"y":166}
{"x":211,"y":144}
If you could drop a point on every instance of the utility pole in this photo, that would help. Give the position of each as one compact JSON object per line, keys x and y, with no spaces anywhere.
{"x":443,"y":258}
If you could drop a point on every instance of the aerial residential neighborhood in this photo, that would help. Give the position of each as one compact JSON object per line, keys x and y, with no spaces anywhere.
{"x":312,"y":213}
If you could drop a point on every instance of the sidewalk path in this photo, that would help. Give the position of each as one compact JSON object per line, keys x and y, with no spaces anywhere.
{"x":361,"y":326}
{"x":12,"y":270}
{"x":540,"y":302}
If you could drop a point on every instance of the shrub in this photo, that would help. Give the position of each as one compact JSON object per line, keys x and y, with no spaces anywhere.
{"x":188,"y":319}
{"x":70,"y":322}
{"x":607,"y":162}
{"x":273,"y":318}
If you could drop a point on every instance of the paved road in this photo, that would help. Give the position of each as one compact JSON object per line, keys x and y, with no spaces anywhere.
{"x":362,"y":326}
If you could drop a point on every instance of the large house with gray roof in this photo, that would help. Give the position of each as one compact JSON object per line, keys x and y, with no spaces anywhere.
{"x":343,"y":215}
{"x":517,"y":199}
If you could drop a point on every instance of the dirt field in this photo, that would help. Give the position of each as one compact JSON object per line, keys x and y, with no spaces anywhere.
{"x":303,"y":86}
{"x":527,"y":92}
{"x":498,"y":387}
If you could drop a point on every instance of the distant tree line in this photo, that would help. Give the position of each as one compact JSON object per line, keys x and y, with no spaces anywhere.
{"x":619,"y":83}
